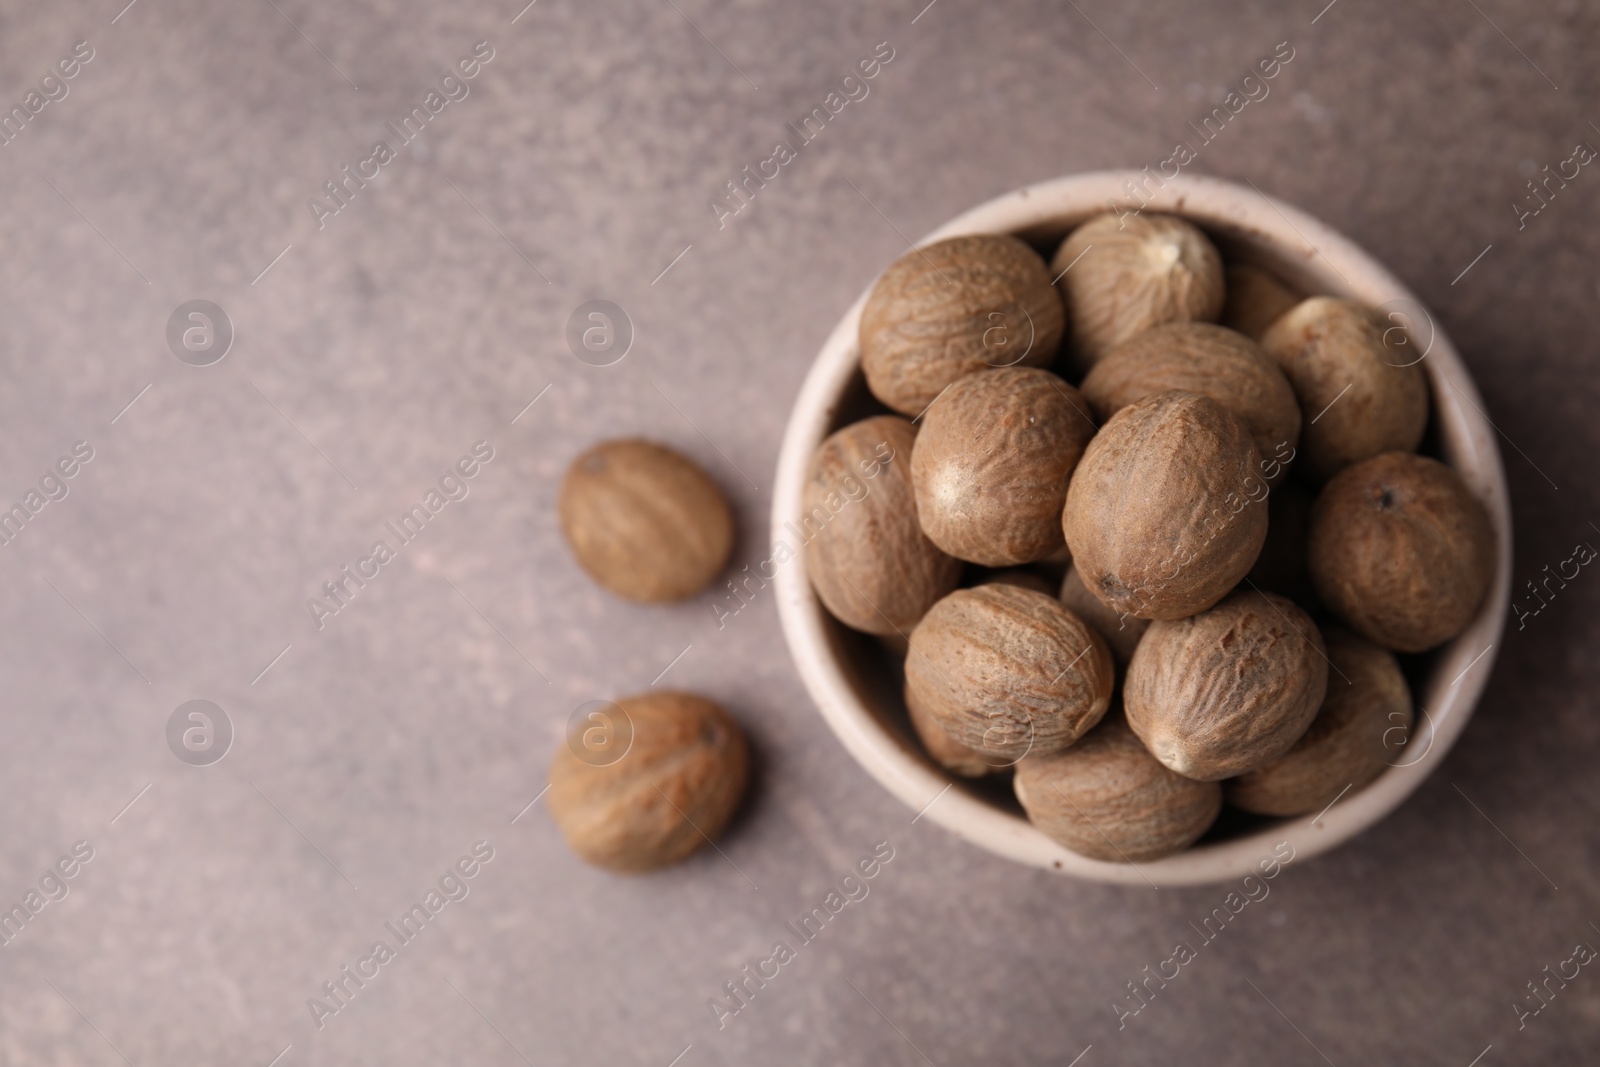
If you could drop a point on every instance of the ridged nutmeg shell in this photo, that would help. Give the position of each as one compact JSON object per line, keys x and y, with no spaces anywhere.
{"x":1008,"y":672}
{"x":992,"y":461}
{"x":1166,"y":511}
{"x":867,"y":557}
{"x":1208,"y":360}
{"x":675,"y":782}
{"x":1131,"y":272}
{"x":953,"y":308}
{"x":1360,"y":383}
{"x":1107,"y":798}
{"x":1362,"y":726}
{"x":645,"y":521}
{"x":1401,"y":550}
{"x":1229,"y":690}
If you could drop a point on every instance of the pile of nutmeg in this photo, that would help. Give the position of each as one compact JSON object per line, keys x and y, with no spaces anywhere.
{"x":1182,"y":580}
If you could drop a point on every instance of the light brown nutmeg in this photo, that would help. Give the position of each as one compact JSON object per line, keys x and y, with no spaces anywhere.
{"x":1363,"y":725}
{"x":946,"y":751}
{"x":1360,"y":393}
{"x":1135,"y":272}
{"x":1228,"y":690}
{"x":1008,"y":672}
{"x":868,"y":559}
{"x":1256,"y":298}
{"x":956,"y":307}
{"x":1401,"y":550}
{"x":1107,"y":798}
{"x":648,"y":780}
{"x":1166,"y":511}
{"x":992,"y":461}
{"x":1207,"y":360}
{"x":1122,"y":632}
{"x":645,"y":521}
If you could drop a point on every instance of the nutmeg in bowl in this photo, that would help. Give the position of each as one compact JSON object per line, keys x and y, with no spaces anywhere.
{"x":859,"y":689}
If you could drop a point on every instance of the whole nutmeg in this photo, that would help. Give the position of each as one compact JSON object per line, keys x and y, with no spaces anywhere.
{"x":1363,"y":723}
{"x":946,"y":751}
{"x":1134,"y":273}
{"x":1256,"y":297}
{"x":1007,"y":672}
{"x":1360,"y":394}
{"x":868,"y":559}
{"x":1228,"y":690}
{"x":1207,"y":360}
{"x":649,"y":780}
{"x":1122,"y":632}
{"x":958,"y":306}
{"x":1107,"y":798}
{"x":1166,"y":511}
{"x":1401,"y":550}
{"x":645,"y":521}
{"x":991,"y":464}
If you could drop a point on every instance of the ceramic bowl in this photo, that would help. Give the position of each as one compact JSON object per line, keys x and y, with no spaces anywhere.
{"x":856,"y":685}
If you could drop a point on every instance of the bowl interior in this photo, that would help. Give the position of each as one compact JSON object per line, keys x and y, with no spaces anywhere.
{"x":856,"y":681}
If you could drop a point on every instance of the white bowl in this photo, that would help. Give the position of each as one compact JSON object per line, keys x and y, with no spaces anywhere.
{"x":857,"y":691}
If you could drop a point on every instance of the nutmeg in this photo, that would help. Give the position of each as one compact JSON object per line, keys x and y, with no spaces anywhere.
{"x":1401,"y":550}
{"x":1166,"y":511}
{"x":868,"y":558}
{"x":1363,"y":724}
{"x":1207,"y":360}
{"x":956,"y":307}
{"x":946,"y":751}
{"x":1122,"y":632}
{"x":1256,"y":298}
{"x":991,"y":464}
{"x":1107,"y":798}
{"x":1129,"y":273}
{"x":1229,"y":690}
{"x":673,"y":782}
{"x":1359,"y":394}
{"x":645,"y":521}
{"x":1007,"y":671}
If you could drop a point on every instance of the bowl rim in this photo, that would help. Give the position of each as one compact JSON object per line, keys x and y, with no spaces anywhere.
{"x":1320,"y":261}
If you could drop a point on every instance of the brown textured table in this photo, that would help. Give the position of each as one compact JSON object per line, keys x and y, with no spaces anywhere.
{"x":373,"y":746}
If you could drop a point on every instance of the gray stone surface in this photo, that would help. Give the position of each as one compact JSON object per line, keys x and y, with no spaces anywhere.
{"x":419,"y":719}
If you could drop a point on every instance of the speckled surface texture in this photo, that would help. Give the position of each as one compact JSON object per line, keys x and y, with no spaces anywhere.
{"x":419,"y":719}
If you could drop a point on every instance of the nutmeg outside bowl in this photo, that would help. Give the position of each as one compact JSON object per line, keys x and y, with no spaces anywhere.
{"x":857,"y":688}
